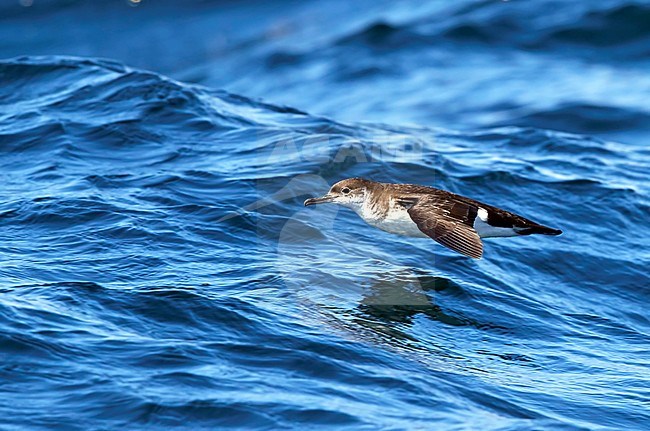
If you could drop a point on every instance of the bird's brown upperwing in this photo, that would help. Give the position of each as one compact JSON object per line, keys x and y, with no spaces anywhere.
{"x":447,"y":220}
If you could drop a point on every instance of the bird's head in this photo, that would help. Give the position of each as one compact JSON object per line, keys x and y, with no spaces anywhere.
{"x":350,"y":193}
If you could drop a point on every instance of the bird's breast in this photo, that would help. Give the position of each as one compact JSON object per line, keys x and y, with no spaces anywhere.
{"x":396,"y":220}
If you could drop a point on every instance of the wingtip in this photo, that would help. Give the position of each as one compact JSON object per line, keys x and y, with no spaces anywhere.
{"x":477,"y":256}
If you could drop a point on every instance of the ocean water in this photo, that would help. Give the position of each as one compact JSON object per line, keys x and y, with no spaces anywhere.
{"x":158,"y":269}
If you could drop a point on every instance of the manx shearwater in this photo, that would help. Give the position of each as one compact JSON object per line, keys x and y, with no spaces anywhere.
{"x":454,"y":221}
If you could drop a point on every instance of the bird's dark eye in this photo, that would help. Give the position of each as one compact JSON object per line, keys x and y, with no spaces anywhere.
{"x":345,"y":190}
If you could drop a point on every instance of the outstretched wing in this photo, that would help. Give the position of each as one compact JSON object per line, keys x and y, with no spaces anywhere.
{"x":449,"y":222}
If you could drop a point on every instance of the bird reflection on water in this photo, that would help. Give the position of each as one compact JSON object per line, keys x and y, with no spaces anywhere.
{"x":400,"y":296}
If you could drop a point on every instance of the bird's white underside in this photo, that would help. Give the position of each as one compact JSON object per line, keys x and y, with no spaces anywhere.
{"x":398,"y":222}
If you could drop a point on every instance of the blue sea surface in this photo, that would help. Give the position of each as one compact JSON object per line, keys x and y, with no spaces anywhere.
{"x":158,"y":269}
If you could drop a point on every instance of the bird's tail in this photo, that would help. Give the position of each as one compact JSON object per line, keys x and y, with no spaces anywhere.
{"x":537,"y":229}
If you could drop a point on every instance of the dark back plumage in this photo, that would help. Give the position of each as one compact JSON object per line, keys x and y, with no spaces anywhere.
{"x":449,"y":218}
{"x":460,"y":207}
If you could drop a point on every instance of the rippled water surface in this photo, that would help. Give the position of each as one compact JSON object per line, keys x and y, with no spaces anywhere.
{"x":159,"y":271}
